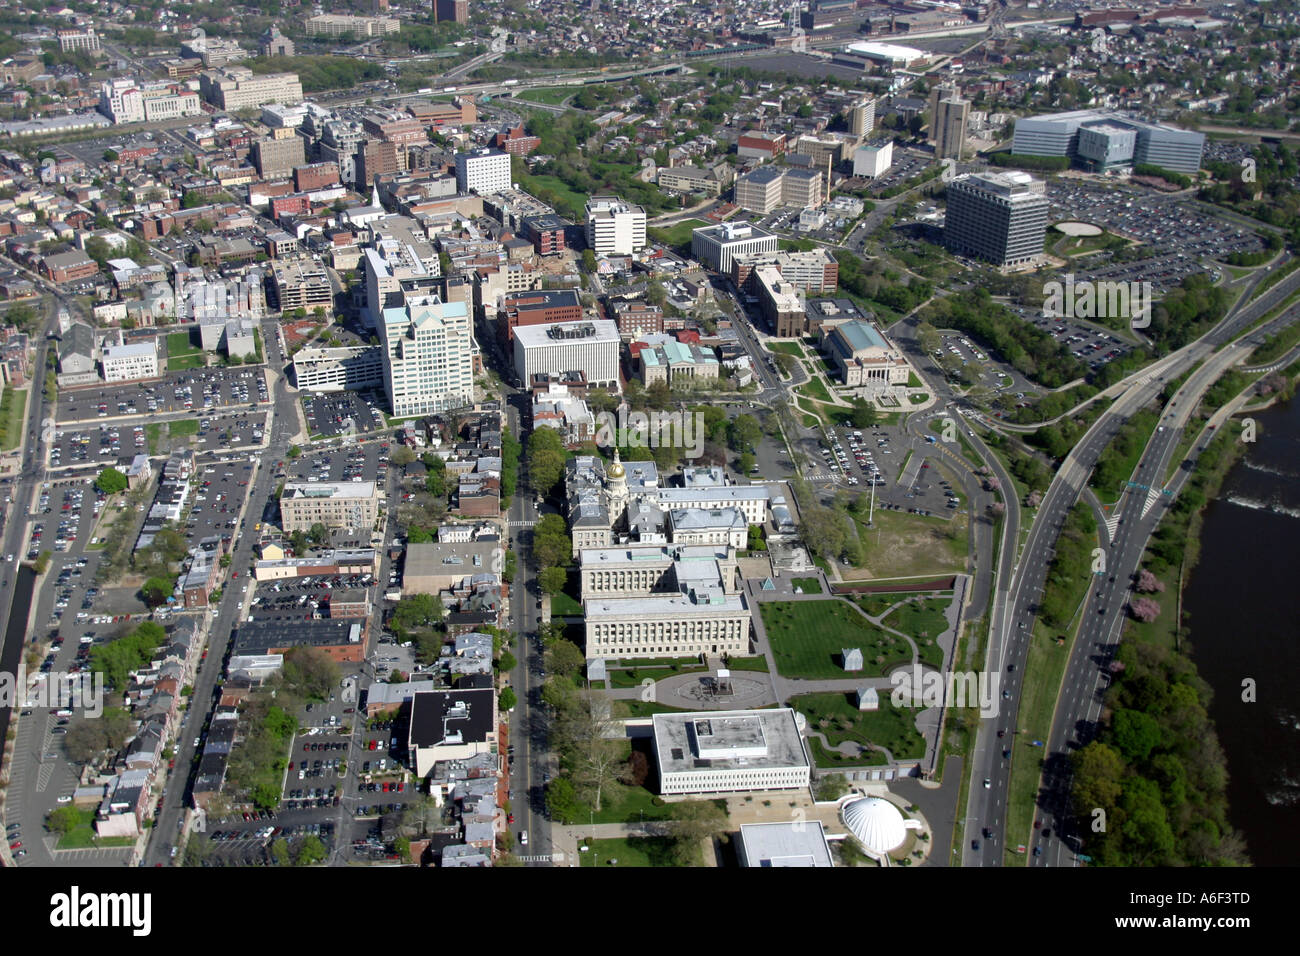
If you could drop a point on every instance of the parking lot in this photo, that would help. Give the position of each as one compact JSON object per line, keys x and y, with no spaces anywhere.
{"x":361,"y":462}
{"x":174,"y":392}
{"x":339,"y":413}
{"x":1178,"y":232}
{"x":296,"y":598}
{"x":214,"y":507}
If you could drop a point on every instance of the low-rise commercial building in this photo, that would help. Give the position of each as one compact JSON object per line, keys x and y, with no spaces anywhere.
{"x":728,"y":751}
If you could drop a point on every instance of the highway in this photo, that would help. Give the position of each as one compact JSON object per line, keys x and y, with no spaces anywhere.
{"x":1139,"y":512}
{"x":1019,"y":593}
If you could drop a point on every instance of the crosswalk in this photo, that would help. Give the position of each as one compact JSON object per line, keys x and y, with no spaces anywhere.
{"x":1112,"y":525}
{"x":537,"y":858}
{"x":522,"y":524}
{"x":1153,"y":495}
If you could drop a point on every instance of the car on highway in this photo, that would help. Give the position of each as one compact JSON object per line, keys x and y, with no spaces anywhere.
{"x":988,"y":784}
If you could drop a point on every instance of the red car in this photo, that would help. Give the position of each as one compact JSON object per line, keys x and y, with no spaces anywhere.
{"x":373,"y":743}
{"x":399,"y":787}
{"x":510,"y":818}
{"x":385,"y":786}
{"x":16,"y":845}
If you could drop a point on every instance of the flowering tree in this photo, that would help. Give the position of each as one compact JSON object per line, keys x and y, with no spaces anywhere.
{"x":1034,"y":499}
{"x":1144,"y":609}
{"x":1148,"y":583}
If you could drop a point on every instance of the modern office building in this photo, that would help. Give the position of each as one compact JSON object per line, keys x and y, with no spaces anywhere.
{"x":1108,"y":144}
{"x":804,"y":188}
{"x":451,"y":725}
{"x":540,"y":307}
{"x":125,"y":101}
{"x":715,"y":247}
{"x":335,"y":504}
{"x":801,"y":843}
{"x":398,"y":258}
{"x":590,"y":347}
{"x":235,"y":87}
{"x":74,"y":40}
{"x":482,"y":171}
{"x":362,"y":28}
{"x":948,"y":127}
{"x":428,"y":353}
{"x":614,"y":228}
{"x":873,"y":159}
{"x":812,"y":270}
{"x":729,"y":750}
{"x":782,"y":302}
{"x":998,"y":217}
{"x":760,"y":191}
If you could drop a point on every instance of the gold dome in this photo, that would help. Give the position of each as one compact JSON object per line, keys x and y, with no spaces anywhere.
{"x":616,"y":469}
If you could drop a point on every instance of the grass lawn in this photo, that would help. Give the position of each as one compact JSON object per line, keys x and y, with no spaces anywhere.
{"x":808,"y":585}
{"x":913,"y":381}
{"x":808,"y":638}
{"x":186,"y":361}
{"x":632,"y":677}
{"x":552,"y":95}
{"x":1044,"y":670}
{"x":758,"y":663}
{"x":13,"y":408}
{"x":789,"y":348}
{"x":839,"y":719}
{"x":816,"y":389}
{"x":641,"y":708}
{"x":923,"y":623}
{"x":563,"y":604}
{"x":903,"y":545}
{"x":153,"y":431}
{"x":178,"y":344}
{"x":183,"y":427}
{"x":678,"y":234}
{"x":82,"y":836}
{"x":628,"y":852}
{"x":918,"y":399}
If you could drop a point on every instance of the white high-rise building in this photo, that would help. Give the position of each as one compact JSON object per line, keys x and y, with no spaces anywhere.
{"x":482,"y":171}
{"x":428,"y":353}
{"x":614,"y":228}
{"x":590,"y":347}
{"x":873,"y":159}
{"x":121,"y":101}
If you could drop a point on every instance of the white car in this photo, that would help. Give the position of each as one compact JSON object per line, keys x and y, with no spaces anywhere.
{"x":523,"y":838}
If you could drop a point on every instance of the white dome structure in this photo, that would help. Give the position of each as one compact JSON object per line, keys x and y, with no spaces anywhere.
{"x":877,"y":823}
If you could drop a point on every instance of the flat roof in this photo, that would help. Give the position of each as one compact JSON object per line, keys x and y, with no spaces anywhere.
{"x":329,"y":489}
{"x":661,"y":604}
{"x":785,"y":844}
{"x":728,"y":740}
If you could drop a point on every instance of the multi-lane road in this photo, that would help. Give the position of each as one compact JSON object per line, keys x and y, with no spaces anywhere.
{"x":1019,"y":592}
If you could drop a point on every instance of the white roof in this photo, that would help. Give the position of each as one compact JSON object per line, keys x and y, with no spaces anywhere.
{"x":877,"y":824}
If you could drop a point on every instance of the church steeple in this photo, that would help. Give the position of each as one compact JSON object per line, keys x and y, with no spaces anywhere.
{"x":374,"y":197}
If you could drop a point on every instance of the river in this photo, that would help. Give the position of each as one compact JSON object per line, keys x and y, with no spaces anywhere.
{"x":1243,"y":606}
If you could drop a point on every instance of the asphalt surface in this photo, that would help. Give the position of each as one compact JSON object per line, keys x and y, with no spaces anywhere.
{"x":1013,"y":612}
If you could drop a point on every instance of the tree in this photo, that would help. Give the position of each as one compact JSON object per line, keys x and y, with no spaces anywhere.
{"x":111,"y":481}
{"x":863,"y":414}
{"x":310,"y":672}
{"x":562,"y":802}
{"x":1148,"y":583}
{"x":318,"y":533}
{"x":693,"y":822}
{"x":507,"y":699}
{"x":564,"y":659}
{"x":156,"y":591}
{"x":280,"y":852}
{"x":1134,"y":733}
{"x":586,"y":733}
{"x":553,"y":580}
{"x":637,"y":770}
{"x":402,"y":456}
{"x":85,"y":741}
{"x":546,"y":459}
{"x":552,"y":546}
{"x":63,"y":819}
{"x":1145,"y":610}
{"x":311,"y":851}
{"x":743,"y":433}
{"x":832,"y":787}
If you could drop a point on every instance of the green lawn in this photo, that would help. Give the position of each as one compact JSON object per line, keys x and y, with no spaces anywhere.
{"x":923,"y":623}
{"x":641,"y":708}
{"x":913,"y":381}
{"x":679,"y":233}
{"x":808,"y":638}
{"x":153,"y":431}
{"x":838,"y":717}
{"x":13,"y":408}
{"x":814,"y":388}
{"x":563,"y":604}
{"x":808,"y":585}
{"x":748,"y":664}
{"x":789,"y":348}
{"x":628,"y":852}
{"x":183,"y":427}
{"x":552,"y":95}
{"x":186,"y":361}
{"x":181,"y":354}
{"x":632,"y":677}
{"x":919,"y":398}
{"x":82,"y":836}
